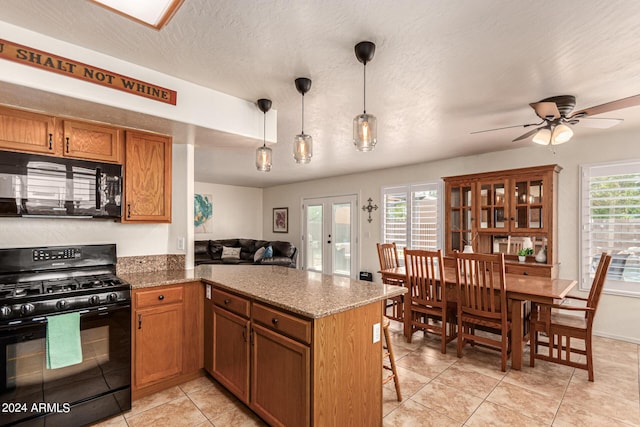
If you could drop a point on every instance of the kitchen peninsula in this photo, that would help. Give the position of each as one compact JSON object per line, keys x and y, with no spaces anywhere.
{"x":298,"y":347}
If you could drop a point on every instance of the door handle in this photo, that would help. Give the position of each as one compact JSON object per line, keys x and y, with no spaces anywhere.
{"x":67,"y":144}
{"x":139,"y":321}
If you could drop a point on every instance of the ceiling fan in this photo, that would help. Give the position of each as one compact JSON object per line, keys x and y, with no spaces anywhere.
{"x":557,"y":116}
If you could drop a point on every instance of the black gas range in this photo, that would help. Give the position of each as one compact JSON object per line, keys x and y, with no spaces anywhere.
{"x":38,"y":283}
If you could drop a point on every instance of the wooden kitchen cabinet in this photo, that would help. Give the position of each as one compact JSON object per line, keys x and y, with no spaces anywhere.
{"x":147,"y":178}
{"x":92,"y":141}
{"x":300,"y":370}
{"x":486,"y":209}
{"x":29,"y":132}
{"x":167,"y":336}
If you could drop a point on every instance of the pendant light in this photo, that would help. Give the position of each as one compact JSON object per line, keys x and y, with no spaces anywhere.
{"x":303,"y":144}
{"x":263,"y":154}
{"x":365,"y":129}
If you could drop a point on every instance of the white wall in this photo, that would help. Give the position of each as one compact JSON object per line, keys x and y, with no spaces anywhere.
{"x":237,"y":211}
{"x":617,"y":316}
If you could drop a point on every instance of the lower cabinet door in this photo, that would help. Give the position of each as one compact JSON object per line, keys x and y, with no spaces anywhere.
{"x":158,"y":340}
{"x":231,"y":352}
{"x":280,"y":379}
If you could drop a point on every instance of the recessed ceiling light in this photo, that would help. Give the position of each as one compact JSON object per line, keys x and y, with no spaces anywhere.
{"x":154,"y":13}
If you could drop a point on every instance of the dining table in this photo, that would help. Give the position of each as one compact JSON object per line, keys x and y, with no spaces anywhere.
{"x":519,"y":288}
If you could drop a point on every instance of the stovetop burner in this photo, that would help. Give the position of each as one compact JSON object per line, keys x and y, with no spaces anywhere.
{"x":61,"y":286}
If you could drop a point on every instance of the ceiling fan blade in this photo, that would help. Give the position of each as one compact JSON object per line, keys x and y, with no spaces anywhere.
{"x":526,"y":135}
{"x":631,"y":101}
{"x":508,"y":127}
{"x":546,"y":110}
{"x":598,"y":123}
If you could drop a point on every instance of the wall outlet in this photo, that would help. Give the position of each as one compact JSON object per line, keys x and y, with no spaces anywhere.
{"x":376,"y":332}
{"x":181,"y":243}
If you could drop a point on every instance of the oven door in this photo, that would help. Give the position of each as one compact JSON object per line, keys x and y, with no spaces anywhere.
{"x":96,"y":388}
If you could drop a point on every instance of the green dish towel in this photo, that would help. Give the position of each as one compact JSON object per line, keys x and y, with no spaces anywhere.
{"x":63,"y":345}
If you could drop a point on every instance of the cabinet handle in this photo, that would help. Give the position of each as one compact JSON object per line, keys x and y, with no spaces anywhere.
{"x":50,"y":141}
{"x":160,"y":297}
{"x":226,"y":302}
{"x":274,"y":320}
{"x":67,"y":144}
{"x":139,"y":321}
{"x":128,"y":210}
{"x":526,"y":273}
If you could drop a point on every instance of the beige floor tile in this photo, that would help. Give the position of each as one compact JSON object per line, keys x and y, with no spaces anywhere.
{"x":626,"y":388}
{"x":213,"y":401}
{"x":410,"y":382}
{"x":608,"y":367}
{"x":538,"y":380}
{"x":421,"y":363}
{"x":470,"y":381}
{"x":196,"y":384}
{"x":607,"y":404}
{"x":483,"y":361}
{"x":238,"y":416}
{"x":177,"y":413}
{"x":449,"y":401}
{"x":117,"y":421}
{"x":490,"y":414}
{"x":390,"y":399}
{"x":529,"y":403}
{"x":575,"y":416}
{"x":412,"y":414}
{"x":154,"y":400}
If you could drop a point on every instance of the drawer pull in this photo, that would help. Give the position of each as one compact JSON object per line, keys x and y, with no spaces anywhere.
{"x":50,"y":141}
{"x":160,"y":297}
{"x":274,"y":320}
{"x":526,"y":273}
{"x":226,"y":301}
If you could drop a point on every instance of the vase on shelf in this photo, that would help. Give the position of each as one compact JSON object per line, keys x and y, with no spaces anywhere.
{"x":468,"y":249}
{"x":522,"y":258}
{"x":541,"y":256}
{"x":527,"y":243}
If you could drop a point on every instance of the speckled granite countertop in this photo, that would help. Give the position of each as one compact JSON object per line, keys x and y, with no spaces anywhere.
{"x":309,"y":294}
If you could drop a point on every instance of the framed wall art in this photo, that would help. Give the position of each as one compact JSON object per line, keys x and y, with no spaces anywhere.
{"x":280,"y":220}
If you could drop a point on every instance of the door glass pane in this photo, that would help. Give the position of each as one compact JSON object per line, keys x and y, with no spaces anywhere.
{"x":342,"y":238}
{"x":498,"y":194}
{"x":535,"y":192}
{"x":314,"y":238}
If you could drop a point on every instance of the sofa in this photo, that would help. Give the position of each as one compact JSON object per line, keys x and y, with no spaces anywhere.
{"x":211,"y":252}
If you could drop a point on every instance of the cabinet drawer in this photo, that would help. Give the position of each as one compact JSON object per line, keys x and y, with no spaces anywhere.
{"x":231,"y":302}
{"x":158,"y":296}
{"x":287,"y":324}
{"x":528,"y":269}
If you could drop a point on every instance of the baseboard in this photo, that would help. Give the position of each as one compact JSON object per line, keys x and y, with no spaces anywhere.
{"x":616,"y":337}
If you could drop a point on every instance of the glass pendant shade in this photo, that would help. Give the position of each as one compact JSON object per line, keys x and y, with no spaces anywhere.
{"x":263,"y":158}
{"x":561,"y":134}
{"x":365,"y":132}
{"x":302,"y":148}
{"x":542,"y":137}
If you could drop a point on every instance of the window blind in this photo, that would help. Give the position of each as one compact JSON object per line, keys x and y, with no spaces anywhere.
{"x":610,"y":200}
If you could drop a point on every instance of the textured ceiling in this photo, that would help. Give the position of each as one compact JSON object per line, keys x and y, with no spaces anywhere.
{"x":442,"y":69}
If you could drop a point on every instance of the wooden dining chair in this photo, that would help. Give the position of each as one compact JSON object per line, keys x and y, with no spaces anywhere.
{"x":482,"y":303}
{"x":561,"y":328}
{"x":388,"y":256}
{"x":429,"y":310}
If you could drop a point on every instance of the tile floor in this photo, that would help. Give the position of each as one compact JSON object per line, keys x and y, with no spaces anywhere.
{"x":442,"y":390}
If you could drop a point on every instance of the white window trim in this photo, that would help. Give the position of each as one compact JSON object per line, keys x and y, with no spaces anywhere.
{"x":615,"y":287}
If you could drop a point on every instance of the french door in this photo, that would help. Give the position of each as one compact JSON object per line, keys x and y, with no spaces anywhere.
{"x":330,"y":235}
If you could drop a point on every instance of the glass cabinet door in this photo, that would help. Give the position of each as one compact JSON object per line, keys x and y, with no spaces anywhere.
{"x":493,"y":206}
{"x":529,"y":204}
{"x":460,"y":216}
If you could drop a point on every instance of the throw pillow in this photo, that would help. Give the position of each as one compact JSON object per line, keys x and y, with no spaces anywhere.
{"x":268,"y":252}
{"x":259,"y":254}
{"x":230,"y":253}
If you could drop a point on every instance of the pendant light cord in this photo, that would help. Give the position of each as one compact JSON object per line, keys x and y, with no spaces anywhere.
{"x":264,"y":130}
{"x":303,"y":114}
{"x":364,"y":89}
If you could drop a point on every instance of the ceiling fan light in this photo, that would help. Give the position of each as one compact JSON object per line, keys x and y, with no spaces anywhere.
{"x":561,"y":134}
{"x":542,"y":137}
{"x":365,"y":132}
{"x":302,"y":148}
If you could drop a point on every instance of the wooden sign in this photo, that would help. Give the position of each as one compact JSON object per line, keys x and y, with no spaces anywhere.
{"x":68,"y":67}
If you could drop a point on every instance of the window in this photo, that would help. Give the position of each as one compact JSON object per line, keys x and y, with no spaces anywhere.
{"x":610,"y":200}
{"x":411,"y":215}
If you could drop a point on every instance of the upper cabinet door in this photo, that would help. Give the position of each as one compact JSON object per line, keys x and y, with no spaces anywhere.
{"x":147,"y":171}
{"x":92,"y":142}
{"x":28,"y":132}
{"x":530,"y":206}
{"x":493,"y":205}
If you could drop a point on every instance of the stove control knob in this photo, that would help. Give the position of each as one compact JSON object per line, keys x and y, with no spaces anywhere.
{"x":27,"y":308}
{"x":5,"y":311}
{"x":62,"y":304}
{"x":112,"y":297}
{"x":94,"y":300}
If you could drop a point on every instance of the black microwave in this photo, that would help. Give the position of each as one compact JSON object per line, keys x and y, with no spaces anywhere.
{"x":45,"y":186}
